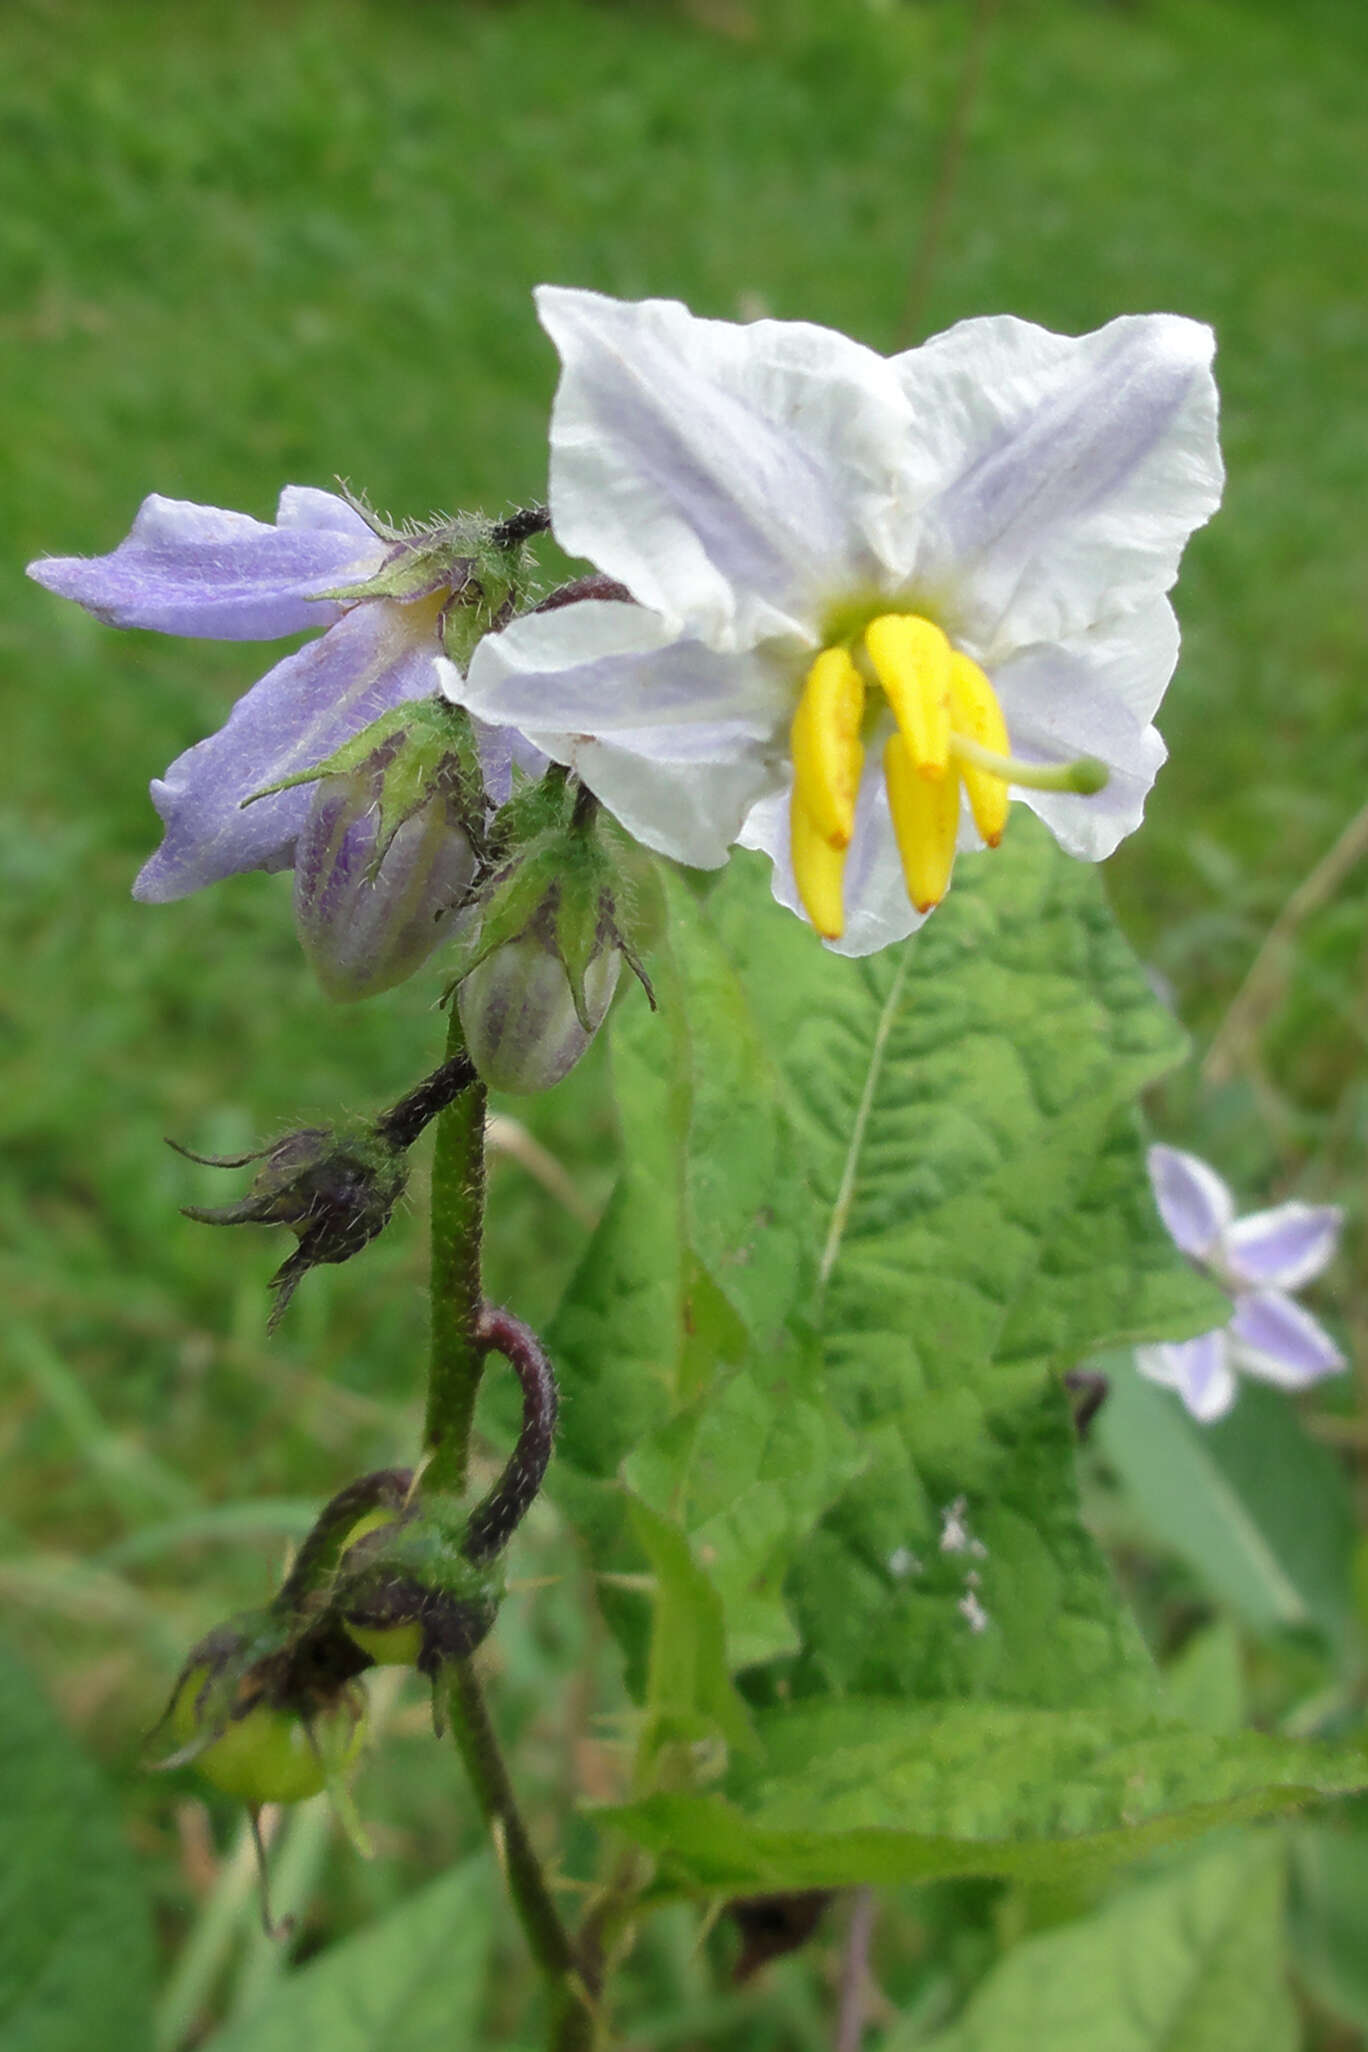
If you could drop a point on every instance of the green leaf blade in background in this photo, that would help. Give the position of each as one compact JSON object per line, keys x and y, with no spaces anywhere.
{"x":75,"y":1922}
{"x":1258,"y":1511}
{"x":414,"y":1982}
{"x":1191,"y":1962}
{"x":880,"y":1791}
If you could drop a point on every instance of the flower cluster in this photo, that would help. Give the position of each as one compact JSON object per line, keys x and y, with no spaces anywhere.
{"x":1259,"y":1260}
{"x":868,"y":598}
{"x":845,"y":608}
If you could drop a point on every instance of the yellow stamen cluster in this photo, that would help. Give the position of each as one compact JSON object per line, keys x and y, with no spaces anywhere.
{"x":948,"y":734}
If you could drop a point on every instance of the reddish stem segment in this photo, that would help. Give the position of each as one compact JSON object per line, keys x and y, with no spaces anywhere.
{"x":492,"y":1522}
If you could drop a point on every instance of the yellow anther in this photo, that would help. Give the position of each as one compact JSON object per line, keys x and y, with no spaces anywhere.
{"x":817,"y":869}
{"x":975,"y":713}
{"x":911,"y":659}
{"x":925,"y":819}
{"x":828,"y":754}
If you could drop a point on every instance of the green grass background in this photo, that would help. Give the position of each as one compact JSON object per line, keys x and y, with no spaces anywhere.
{"x":251,"y":245}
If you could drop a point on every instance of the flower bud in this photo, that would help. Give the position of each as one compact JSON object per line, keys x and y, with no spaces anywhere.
{"x":518,"y":1011}
{"x":542,"y":945}
{"x":369,"y":913}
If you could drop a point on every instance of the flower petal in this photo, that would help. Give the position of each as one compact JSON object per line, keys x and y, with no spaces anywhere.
{"x":733,"y":477}
{"x":877,"y":908}
{"x":1078,"y":467}
{"x":295,"y":715}
{"x":1284,"y":1247}
{"x":1093,"y":696}
{"x":1193,"y":1202}
{"x":1199,"y":1369}
{"x":676,"y":741}
{"x":1274,"y":1339}
{"x":196,"y":570}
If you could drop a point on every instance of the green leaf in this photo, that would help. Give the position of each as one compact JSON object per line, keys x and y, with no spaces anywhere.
{"x":1330,"y":1916}
{"x":1205,"y":1684}
{"x":963,"y":1111}
{"x":414,"y":1982}
{"x":690,"y":1701}
{"x":866,"y":1790}
{"x":1189,"y":1963}
{"x":1258,"y":1511}
{"x":683,"y":1340}
{"x":75,"y":1926}
{"x":1110,"y":1269}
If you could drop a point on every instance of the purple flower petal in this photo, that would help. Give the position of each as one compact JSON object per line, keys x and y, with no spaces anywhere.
{"x":196,"y":570}
{"x":1199,"y":1369}
{"x":375,"y":657}
{"x":1193,"y":1202}
{"x":1283,"y":1248}
{"x":1274,"y":1339}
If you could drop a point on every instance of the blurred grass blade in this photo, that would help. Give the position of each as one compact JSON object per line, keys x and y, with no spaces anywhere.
{"x":132,"y":1477}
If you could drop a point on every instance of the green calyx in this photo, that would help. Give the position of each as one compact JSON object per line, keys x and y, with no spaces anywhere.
{"x":412,"y":753}
{"x":563,"y":880}
{"x":478,"y":566}
{"x":266,"y":1707}
{"x":406,"y":1592}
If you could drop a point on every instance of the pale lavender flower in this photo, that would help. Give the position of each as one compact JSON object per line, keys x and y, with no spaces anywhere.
{"x":199,"y":571}
{"x":1259,"y":1260}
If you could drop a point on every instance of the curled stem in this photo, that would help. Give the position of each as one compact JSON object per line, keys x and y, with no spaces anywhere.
{"x":493,"y":1521}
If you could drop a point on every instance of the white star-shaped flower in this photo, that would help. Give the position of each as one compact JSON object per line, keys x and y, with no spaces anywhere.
{"x":868,"y":597}
{"x":1259,"y":1260}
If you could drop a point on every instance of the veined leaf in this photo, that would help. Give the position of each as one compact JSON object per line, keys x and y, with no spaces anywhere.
{"x":963,"y":1111}
{"x":688,"y":1363}
{"x":881,"y":1791}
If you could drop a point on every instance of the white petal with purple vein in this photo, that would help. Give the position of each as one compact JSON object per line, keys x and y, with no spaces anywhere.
{"x":1194,"y":1203}
{"x":731,"y":476}
{"x":1285,"y":1247}
{"x":1199,"y":1369}
{"x":1274,"y":1339}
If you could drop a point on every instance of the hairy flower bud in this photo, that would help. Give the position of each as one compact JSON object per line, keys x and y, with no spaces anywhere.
{"x":542,"y":944}
{"x":367,"y":919}
{"x":518,"y":1011}
{"x":387,"y":851}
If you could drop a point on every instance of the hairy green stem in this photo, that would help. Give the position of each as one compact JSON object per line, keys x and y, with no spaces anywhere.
{"x":463,"y":1331}
{"x":573,"y":2019}
{"x":458,"y":1194}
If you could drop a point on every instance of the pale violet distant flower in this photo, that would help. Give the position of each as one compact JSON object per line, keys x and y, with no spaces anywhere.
{"x":866,"y":597}
{"x":200,"y":571}
{"x":1259,"y":1260}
